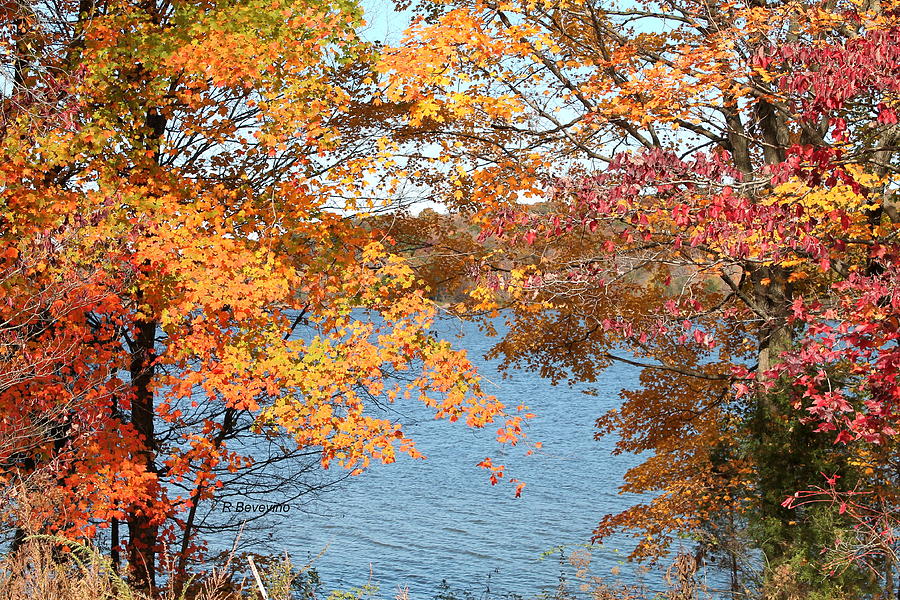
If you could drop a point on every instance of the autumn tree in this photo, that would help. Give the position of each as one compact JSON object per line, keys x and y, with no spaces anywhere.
{"x":717,"y":184}
{"x":43,"y":331}
{"x":216,"y":160}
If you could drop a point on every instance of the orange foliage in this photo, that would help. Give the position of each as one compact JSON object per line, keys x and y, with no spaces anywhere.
{"x":184,"y":189}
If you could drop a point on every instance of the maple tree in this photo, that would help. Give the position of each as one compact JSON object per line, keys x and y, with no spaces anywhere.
{"x":718,"y":184}
{"x":42,"y":330}
{"x":183,"y":191}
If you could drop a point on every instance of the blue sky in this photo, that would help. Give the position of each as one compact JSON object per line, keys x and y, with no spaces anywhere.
{"x":385,"y":24}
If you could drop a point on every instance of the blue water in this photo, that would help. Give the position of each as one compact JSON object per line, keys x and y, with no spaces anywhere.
{"x":416,"y":523}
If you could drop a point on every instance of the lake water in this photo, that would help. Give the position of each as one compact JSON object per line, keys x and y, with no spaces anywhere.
{"x":417,"y":523}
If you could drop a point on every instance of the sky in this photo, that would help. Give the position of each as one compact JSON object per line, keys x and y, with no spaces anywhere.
{"x":385,"y":24}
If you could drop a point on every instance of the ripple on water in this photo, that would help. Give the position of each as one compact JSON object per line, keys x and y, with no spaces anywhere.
{"x":416,"y":523}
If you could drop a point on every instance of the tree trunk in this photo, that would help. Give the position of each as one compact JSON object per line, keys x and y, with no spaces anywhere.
{"x":142,"y":528}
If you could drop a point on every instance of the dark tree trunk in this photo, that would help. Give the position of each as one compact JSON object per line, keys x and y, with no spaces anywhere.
{"x":142,"y":528}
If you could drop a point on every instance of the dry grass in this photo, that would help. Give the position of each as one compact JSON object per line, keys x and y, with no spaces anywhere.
{"x":40,"y":571}
{"x":45,"y":569}
{"x":50,"y":568}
